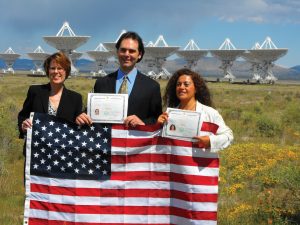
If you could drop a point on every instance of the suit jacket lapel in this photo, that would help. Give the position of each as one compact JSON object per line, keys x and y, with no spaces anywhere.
{"x":63,"y":102}
{"x":45,"y":97}
{"x":112,"y":82}
{"x":135,"y":89}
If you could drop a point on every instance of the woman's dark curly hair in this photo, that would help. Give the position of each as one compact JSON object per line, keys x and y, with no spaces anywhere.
{"x":202,"y":93}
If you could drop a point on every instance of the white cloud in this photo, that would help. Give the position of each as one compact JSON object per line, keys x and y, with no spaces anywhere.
{"x":259,"y":11}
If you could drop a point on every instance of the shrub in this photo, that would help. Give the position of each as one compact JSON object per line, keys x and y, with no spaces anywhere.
{"x":291,"y":116}
{"x":233,"y":114}
{"x":268,"y":97}
{"x":247,"y":117}
{"x":288,"y":98}
{"x":266,"y":127}
{"x":257,"y":109}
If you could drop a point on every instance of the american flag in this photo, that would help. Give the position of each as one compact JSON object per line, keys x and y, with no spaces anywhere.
{"x":103,"y":175}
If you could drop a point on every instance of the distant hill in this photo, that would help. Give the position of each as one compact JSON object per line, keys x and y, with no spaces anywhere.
{"x":296,"y":68}
{"x":207,"y":66}
{"x":20,"y":64}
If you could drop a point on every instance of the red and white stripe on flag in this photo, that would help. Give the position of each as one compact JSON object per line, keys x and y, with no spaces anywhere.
{"x":154,"y":180}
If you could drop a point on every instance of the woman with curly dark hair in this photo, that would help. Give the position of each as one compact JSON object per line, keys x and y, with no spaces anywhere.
{"x":187,"y":90}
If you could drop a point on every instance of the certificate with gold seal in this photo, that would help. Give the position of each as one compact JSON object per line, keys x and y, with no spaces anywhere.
{"x":182,"y":124}
{"x":107,"y":108}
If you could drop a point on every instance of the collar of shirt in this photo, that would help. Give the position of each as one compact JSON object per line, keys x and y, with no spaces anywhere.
{"x":130,"y":79}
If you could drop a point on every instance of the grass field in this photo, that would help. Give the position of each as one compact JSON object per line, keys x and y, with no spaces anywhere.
{"x":260,"y":172}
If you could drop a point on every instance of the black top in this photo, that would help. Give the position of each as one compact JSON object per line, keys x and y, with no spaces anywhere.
{"x":37,"y":100}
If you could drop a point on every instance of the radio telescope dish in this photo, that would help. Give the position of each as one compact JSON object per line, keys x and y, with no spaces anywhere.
{"x":74,"y":57}
{"x":111,"y":46}
{"x":255,"y":63}
{"x":191,"y":53}
{"x":148,"y":63}
{"x":101,"y":56}
{"x":159,"y":52}
{"x":9,"y":57}
{"x":227,"y":53}
{"x":68,"y":43}
{"x":38,"y":57}
{"x":267,"y":54}
{"x":250,"y":57}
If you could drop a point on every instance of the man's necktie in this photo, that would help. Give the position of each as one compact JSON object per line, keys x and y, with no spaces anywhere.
{"x":123,"y":88}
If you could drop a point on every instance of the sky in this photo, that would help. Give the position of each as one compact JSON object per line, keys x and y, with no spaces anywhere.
{"x":207,"y":22}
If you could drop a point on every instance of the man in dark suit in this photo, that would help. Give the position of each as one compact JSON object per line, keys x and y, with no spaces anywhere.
{"x":144,"y":103}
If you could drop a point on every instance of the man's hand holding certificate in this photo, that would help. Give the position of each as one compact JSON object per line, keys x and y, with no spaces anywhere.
{"x":107,"y":108}
{"x":182,"y":124}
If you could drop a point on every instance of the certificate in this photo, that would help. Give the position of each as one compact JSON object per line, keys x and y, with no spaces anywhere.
{"x":107,"y":108}
{"x":182,"y":124}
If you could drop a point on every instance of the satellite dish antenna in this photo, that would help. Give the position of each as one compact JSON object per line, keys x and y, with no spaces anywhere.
{"x":192,"y":54}
{"x":111,"y":47}
{"x":147,"y":63}
{"x":159,"y":52}
{"x":267,"y":54}
{"x":100,"y":55}
{"x":255,"y":63}
{"x":66,"y":43}
{"x":227,"y":53}
{"x":38,"y":57}
{"x":74,"y":57}
{"x":9,"y":57}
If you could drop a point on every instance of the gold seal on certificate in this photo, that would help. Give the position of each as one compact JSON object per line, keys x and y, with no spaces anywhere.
{"x":107,"y":108}
{"x":182,"y":124}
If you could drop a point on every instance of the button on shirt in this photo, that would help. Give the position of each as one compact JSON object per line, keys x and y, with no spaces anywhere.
{"x":130,"y":80}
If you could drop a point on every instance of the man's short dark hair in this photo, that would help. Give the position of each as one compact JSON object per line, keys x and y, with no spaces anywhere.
{"x":134,"y":36}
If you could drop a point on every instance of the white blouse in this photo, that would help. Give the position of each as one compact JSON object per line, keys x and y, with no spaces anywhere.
{"x":213,"y":125}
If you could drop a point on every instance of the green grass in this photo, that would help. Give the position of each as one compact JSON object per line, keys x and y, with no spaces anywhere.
{"x":259,"y":176}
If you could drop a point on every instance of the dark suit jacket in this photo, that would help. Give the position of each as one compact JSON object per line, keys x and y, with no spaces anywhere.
{"x":70,"y":105}
{"x":144,"y":100}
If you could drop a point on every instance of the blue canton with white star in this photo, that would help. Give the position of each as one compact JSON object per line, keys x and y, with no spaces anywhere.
{"x":60,"y":149}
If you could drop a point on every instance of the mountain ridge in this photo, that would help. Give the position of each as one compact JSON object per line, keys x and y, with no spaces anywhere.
{"x":207,"y":66}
